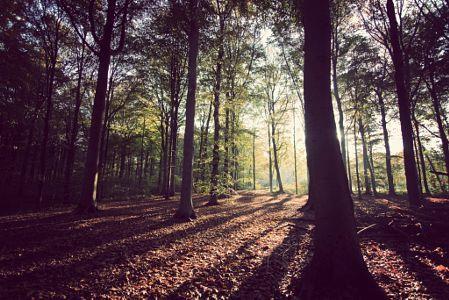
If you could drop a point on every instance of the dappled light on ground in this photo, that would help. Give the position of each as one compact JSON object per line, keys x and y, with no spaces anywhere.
{"x":252,"y":245}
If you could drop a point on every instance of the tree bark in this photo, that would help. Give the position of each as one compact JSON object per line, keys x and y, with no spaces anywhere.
{"x":185,"y":210}
{"x":74,"y":130}
{"x":437,"y":112}
{"x":411,"y":173}
{"x":217,"y":90}
{"x":356,"y":154}
{"x":391,"y":189}
{"x":254,"y":160}
{"x":270,"y":163}
{"x":365,"y":158}
{"x":88,"y":201}
{"x":276,"y":158}
{"x":337,"y":267}
{"x":422,"y":162}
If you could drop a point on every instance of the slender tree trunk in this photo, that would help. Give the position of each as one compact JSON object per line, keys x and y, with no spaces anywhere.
{"x":26,"y":156}
{"x":226,"y":146}
{"x":356,"y":154}
{"x":185,"y":210}
{"x":88,"y":201}
{"x":74,"y":129}
{"x":418,"y":164}
{"x":434,"y":170}
{"x":349,"y":170}
{"x":371,"y":165}
{"x":341,"y":119}
{"x":294,"y":150}
{"x":365,"y":158}
{"x":422,"y":162}
{"x":217,"y":90}
{"x":270,"y":163}
{"x":438,"y":119}
{"x":276,"y":158}
{"x":337,"y":268}
{"x":173,"y":159}
{"x":142,"y":152}
{"x":46,"y":130}
{"x":203,"y":150}
{"x":254,"y":159}
{"x":411,"y":173}
{"x":391,"y":189}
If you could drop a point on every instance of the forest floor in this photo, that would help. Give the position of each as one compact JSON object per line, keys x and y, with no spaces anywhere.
{"x":253,"y":245}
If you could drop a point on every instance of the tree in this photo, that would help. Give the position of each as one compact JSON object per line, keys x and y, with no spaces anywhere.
{"x":337,"y":266}
{"x":185,"y":210}
{"x":411,"y":173}
{"x":116,"y":17}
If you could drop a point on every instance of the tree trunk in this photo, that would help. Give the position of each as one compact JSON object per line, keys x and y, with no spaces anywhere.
{"x":270,"y":163}
{"x":356,"y":154}
{"x":337,"y":268}
{"x":365,"y":158}
{"x":46,"y":132}
{"x":226,"y":146}
{"x":88,"y":201}
{"x":437,"y":111}
{"x":70,"y":160}
{"x":275,"y":158}
{"x":294,"y":150}
{"x":391,"y":189}
{"x":26,"y":156}
{"x":254,"y":160}
{"x":371,"y":165}
{"x":185,"y":210}
{"x":411,"y":173}
{"x":422,"y":162}
{"x":341,"y":119}
{"x":203,"y":149}
{"x":217,"y":90}
{"x":349,"y":170}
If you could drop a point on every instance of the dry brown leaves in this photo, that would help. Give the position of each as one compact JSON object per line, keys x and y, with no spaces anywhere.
{"x":250,"y":246}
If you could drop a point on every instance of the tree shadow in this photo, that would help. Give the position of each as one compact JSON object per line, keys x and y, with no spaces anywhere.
{"x":90,"y":249}
{"x":273,"y":268}
{"x":406,"y":242}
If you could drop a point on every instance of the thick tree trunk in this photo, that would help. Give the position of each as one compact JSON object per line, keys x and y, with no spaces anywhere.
{"x":185,"y":210}
{"x":337,"y":268}
{"x":88,"y":201}
{"x":411,"y":173}
{"x":391,"y":189}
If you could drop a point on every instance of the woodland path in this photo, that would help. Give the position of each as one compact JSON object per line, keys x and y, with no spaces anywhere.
{"x":250,"y":246}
